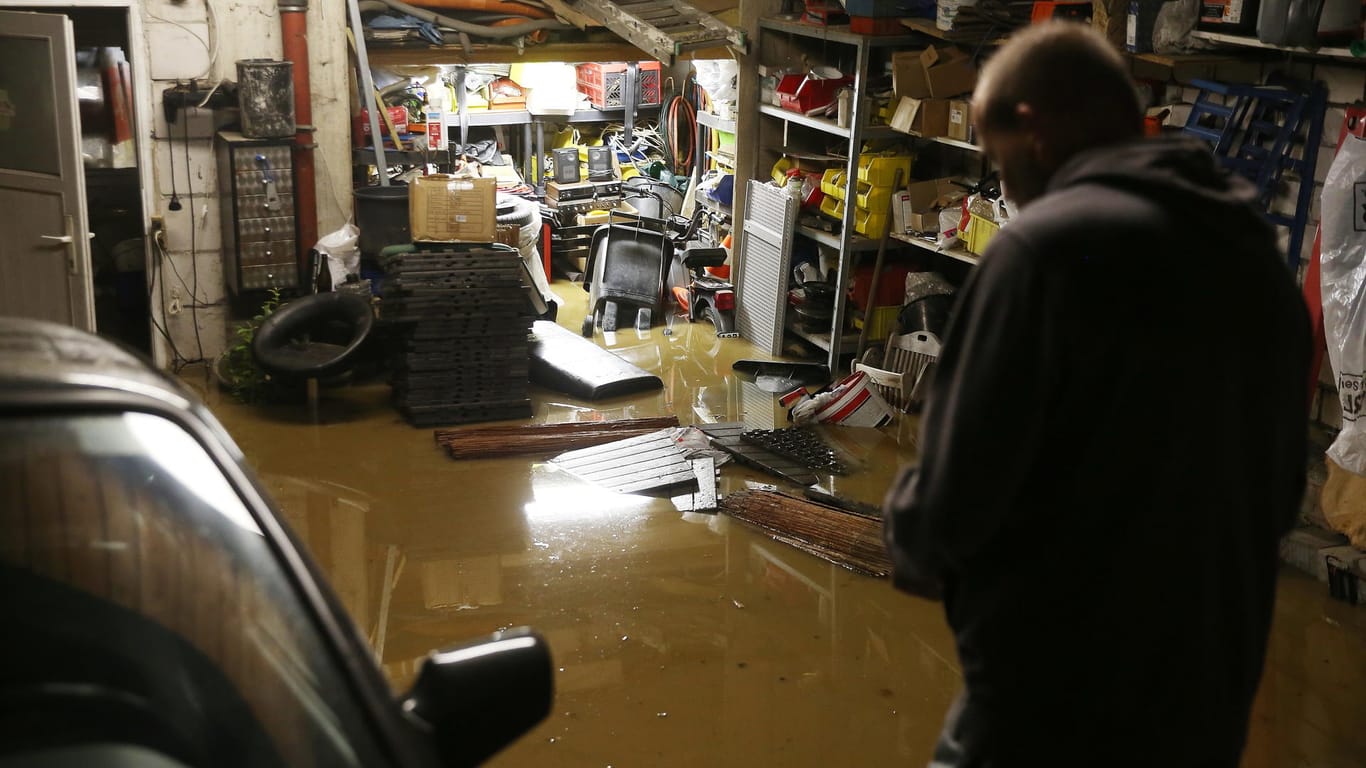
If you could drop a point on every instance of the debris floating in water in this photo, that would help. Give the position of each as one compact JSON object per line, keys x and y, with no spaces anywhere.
{"x":845,"y":539}
{"x":543,"y":439}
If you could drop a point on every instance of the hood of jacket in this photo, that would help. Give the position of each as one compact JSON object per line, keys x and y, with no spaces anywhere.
{"x":1180,"y":173}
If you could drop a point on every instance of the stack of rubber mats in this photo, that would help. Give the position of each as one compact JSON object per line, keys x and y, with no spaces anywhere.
{"x":466,"y":323}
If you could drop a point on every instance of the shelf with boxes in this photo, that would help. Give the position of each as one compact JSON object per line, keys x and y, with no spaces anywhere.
{"x":799,"y":120}
{"x":1241,"y":41}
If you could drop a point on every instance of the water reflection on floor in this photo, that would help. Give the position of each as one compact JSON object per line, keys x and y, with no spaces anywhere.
{"x":684,"y":639}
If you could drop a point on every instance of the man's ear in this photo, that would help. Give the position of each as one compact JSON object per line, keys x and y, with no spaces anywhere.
{"x":1031,"y":125}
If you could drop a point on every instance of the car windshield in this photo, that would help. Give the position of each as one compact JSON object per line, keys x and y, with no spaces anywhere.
{"x":147,"y":608}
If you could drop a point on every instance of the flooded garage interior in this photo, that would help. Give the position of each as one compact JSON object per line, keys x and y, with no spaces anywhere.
{"x":684,"y":638}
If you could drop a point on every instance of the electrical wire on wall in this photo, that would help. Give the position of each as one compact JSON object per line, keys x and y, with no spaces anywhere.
{"x":158,"y":277}
{"x":210,"y":45}
{"x":194,"y":245}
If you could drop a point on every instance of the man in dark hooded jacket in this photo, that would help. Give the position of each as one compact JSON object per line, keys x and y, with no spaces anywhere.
{"x":1114,"y":439}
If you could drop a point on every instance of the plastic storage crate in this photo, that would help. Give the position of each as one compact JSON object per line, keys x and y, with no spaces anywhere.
{"x":867,"y":223}
{"x":980,"y":232}
{"x":604,"y":83}
{"x":880,"y":170}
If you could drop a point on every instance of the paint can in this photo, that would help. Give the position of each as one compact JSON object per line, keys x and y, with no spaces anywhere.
{"x":265,"y":94}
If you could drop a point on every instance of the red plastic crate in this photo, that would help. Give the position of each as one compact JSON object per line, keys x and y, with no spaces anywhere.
{"x":603,"y":83}
{"x":875,"y":25}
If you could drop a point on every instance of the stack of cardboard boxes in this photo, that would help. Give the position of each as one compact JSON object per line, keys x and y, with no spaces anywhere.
{"x":931,"y":90}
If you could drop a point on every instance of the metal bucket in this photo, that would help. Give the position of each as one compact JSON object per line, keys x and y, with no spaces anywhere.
{"x":265,"y":94}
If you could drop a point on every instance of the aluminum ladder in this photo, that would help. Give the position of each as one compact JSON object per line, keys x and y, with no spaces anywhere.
{"x":662,"y":28}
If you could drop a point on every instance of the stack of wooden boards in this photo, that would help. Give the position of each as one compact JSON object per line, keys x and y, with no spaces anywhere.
{"x":465,"y":352}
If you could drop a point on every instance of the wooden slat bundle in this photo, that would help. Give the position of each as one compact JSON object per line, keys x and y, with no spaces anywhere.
{"x":848,"y":540}
{"x":543,"y":439}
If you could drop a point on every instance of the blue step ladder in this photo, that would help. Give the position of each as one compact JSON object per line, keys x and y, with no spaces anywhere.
{"x":1266,"y":134}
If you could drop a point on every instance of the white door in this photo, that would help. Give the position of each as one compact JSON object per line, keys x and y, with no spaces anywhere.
{"x":44,"y":236}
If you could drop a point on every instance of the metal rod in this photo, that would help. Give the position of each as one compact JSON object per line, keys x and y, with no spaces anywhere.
{"x":368,"y":89}
{"x":869,"y":306}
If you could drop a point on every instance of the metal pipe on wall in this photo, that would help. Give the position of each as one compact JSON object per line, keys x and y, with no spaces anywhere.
{"x":294,"y":34}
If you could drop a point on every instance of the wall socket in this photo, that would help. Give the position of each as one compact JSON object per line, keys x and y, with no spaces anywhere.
{"x":173,"y":308}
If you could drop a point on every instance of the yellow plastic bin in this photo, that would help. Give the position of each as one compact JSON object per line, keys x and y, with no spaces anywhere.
{"x":883,"y":322}
{"x":833,"y":208}
{"x":832,"y":183}
{"x":880,"y":170}
{"x":980,"y":232}
{"x":870,"y":223}
{"x":874,"y":197}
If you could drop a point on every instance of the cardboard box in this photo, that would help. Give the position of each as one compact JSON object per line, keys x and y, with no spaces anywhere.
{"x":949,"y":71}
{"x":960,"y":119}
{"x":933,"y":193}
{"x":940,"y":73}
{"x":926,"y":117}
{"x":449,"y":209}
{"x":925,"y":222}
{"x":908,"y":76}
{"x":901,"y":211}
{"x":926,"y":198}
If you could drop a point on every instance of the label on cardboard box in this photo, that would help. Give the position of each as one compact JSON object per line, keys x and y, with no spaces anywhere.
{"x":445,"y":208}
{"x":960,"y":119}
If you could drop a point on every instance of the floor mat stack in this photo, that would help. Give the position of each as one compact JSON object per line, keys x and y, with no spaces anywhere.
{"x":466,"y":347}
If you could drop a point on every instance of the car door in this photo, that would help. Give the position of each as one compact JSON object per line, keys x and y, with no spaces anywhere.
{"x":45,"y":253}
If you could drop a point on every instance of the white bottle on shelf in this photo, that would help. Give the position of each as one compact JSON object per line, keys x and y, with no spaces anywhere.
{"x":436,"y":118}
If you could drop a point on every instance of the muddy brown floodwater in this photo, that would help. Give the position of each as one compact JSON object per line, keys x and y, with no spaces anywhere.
{"x":684,"y":639}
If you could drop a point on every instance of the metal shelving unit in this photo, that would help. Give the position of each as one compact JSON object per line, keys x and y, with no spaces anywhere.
{"x":960,"y":254}
{"x":626,"y":114}
{"x":712,"y":121}
{"x":847,"y":242}
{"x":1252,"y":42}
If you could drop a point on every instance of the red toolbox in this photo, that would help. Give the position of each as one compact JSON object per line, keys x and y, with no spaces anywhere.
{"x":805,"y":94}
{"x":604,"y":83}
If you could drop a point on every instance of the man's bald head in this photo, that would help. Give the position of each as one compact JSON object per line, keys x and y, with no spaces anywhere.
{"x":1054,"y":90}
{"x":1066,"y":72}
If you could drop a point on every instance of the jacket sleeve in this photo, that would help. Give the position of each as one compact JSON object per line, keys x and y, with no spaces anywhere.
{"x":982,"y":426}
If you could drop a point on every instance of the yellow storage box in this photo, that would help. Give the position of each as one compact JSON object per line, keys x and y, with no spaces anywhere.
{"x":867,"y":223}
{"x":880,"y":170}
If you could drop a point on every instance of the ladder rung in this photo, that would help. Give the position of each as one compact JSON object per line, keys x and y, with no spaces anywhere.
{"x":1204,"y":133}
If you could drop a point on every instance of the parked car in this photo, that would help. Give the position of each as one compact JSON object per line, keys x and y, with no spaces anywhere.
{"x":157,"y":611}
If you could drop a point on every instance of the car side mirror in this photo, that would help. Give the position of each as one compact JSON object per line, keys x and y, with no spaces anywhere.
{"x":475,"y":699}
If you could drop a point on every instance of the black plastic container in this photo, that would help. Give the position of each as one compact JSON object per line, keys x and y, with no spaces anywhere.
{"x":382,"y":216}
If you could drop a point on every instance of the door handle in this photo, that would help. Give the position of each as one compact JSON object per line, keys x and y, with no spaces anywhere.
{"x":69,"y":241}
{"x":66,"y":238}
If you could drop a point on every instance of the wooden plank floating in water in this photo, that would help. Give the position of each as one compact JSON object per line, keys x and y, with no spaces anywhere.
{"x":847,"y":540}
{"x":543,"y":439}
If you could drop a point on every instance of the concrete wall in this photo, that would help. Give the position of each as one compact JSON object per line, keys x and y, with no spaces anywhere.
{"x":240,"y":29}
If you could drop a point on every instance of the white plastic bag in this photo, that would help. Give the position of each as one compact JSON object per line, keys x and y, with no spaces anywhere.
{"x":949,"y":219}
{"x":1343,"y":279}
{"x":342,"y":252}
{"x":1173,"y":26}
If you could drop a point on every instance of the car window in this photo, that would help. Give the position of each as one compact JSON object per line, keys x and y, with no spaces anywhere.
{"x":146,"y":599}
